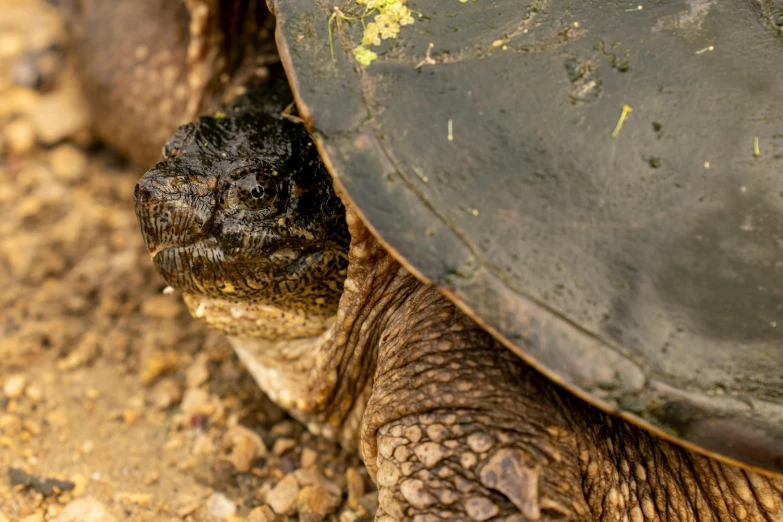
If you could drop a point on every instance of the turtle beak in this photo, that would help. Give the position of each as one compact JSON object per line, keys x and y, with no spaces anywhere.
{"x":172,"y":210}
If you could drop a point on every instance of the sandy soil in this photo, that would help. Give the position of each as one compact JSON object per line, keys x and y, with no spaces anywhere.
{"x":114,"y":403}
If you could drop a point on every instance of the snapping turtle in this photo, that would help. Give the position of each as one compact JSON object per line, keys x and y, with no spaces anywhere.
{"x":537,"y":307}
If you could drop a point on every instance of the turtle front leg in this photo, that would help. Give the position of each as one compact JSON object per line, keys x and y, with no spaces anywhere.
{"x":459,"y":428}
{"x":452,"y":431}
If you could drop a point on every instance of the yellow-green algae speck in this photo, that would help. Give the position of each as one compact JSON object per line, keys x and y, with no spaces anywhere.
{"x":392,"y":14}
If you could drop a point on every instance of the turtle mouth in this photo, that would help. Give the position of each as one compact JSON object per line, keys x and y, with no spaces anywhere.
{"x":206,"y":244}
{"x":204,"y":267}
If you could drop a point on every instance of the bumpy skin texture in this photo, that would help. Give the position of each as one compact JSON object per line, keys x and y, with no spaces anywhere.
{"x":457,"y":427}
{"x":451,"y":424}
{"x":150,"y":65}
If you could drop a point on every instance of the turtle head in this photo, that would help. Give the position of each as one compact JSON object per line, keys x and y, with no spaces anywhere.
{"x":241,"y":217}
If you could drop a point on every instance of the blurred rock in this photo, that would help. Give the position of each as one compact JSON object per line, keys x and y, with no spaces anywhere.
{"x":164,"y":394}
{"x":197,"y":374}
{"x":282,"y":499}
{"x":68,"y":162}
{"x":219,"y":506}
{"x":315,"y":503}
{"x":19,"y":137}
{"x":61,"y":114}
{"x":355,"y":487}
{"x":245,"y":447}
{"x":14,"y":386}
{"x":259,"y":514}
{"x":85,"y":510}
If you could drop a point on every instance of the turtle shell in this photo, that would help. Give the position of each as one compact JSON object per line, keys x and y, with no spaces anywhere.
{"x":597,"y":184}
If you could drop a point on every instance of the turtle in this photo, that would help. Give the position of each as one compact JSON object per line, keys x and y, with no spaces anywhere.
{"x":519,"y":259}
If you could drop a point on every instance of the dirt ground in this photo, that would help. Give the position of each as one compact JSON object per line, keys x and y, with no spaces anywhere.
{"x":114,"y":403}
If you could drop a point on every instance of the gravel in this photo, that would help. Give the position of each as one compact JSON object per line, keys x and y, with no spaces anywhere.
{"x":106,"y":382}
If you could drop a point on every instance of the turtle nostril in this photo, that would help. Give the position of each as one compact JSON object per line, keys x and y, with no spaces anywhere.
{"x":142,"y":196}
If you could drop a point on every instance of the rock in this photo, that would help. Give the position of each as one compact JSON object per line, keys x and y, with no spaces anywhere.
{"x":312,"y":477}
{"x":197,"y":374}
{"x":19,"y":137}
{"x":245,"y":446}
{"x":61,"y":114}
{"x":11,"y":44}
{"x":10,"y":424}
{"x":220,"y":506}
{"x":85,"y":510}
{"x":197,"y":402}
{"x":355,"y":487}
{"x":165,"y":394}
{"x":80,"y":483}
{"x":68,"y":162}
{"x":14,"y":386}
{"x":187,"y":502}
{"x":348,"y":516}
{"x":369,"y":502}
{"x":157,"y":364}
{"x":283,"y":445}
{"x":308,"y":458}
{"x":259,"y":514}
{"x":34,"y":393}
{"x":315,"y":503}
{"x":44,"y":486}
{"x":282,"y":499}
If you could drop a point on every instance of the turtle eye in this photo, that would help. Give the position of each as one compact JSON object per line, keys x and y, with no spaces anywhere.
{"x":255,"y":191}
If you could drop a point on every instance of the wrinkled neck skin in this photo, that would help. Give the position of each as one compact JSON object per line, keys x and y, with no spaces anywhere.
{"x":319,"y":368}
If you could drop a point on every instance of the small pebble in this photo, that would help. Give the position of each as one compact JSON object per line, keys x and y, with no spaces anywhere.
{"x":34,"y":393}
{"x":197,"y":402}
{"x":261,"y":514}
{"x":14,"y":386}
{"x":315,"y":503}
{"x":197,"y":374}
{"x":355,"y":487}
{"x":186,"y":503}
{"x":11,"y":44}
{"x":245,"y":445}
{"x":283,"y":445}
{"x":369,"y":502}
{"x":19,"y":137}
{"x":282,"y":498}
{"x":311,"y":477}
{"x":308,"y":458}
{"x":220,"y":506}
{"x":158,"y":364}
{"x":348,"y":516}
{"x":60,"y":115}
{"x":68,"y":162}
{"x":85,"y":510}
{"x":80,"y":483}
{"x":165,"y":394}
